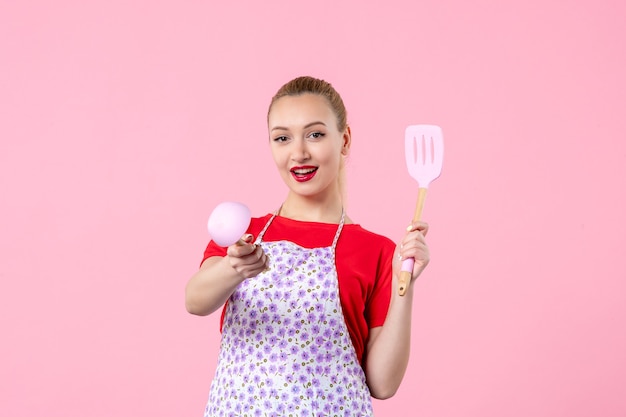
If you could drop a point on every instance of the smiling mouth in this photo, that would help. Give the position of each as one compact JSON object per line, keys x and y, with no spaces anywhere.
{"x":303,"y":174}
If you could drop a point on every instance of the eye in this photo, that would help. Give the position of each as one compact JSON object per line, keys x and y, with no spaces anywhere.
{"x":281,"y":139}
{"x":317,"y":135}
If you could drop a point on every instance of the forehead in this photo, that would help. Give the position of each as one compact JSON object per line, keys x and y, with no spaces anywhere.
{"x":300,"y":110}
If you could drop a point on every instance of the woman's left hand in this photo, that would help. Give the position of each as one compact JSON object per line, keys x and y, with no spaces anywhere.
{"x":413,"y":246}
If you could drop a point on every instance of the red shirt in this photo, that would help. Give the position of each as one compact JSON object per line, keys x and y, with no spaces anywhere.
{"x":363,"y":261}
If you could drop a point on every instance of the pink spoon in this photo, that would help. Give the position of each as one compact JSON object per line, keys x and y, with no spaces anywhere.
{"x":228,"y":222}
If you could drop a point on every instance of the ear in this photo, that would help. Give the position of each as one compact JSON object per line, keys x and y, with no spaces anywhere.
{"x":347,"y":141}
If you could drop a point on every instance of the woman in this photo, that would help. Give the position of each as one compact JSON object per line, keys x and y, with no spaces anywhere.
{"x":312,"y":321}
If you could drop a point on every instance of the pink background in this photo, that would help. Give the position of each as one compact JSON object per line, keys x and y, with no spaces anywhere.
{"x":123,"y":123}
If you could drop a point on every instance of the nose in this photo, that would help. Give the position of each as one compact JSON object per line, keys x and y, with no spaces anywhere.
{"x":300,"y":152}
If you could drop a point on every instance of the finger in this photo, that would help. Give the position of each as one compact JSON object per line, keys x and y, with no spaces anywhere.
{"x":411,"y":240}
{"x":239,"y":251}
{"x":258,"y":252}
{"x":419,"y":226}
{"x":255,"y":259}
{"x":414,"y":247}
{"x":266,"y":262}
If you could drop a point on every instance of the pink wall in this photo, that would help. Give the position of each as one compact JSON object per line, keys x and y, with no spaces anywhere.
{"x":122,"y":124}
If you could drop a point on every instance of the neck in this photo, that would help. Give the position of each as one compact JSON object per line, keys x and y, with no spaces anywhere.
{"x":327,"y":210}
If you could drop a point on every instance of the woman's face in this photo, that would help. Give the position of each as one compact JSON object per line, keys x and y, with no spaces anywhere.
{"x":306,"y":145}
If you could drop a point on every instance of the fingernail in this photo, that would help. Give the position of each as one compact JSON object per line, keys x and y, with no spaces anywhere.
{"x":409,"y":228}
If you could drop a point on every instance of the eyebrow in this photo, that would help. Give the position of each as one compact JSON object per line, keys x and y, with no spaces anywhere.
{"x":306,"y":126}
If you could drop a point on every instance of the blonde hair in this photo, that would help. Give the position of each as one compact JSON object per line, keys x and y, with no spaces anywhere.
{"x":311,"y":85}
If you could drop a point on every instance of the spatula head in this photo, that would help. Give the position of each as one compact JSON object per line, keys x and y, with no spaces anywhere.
{"x":424,"y":152}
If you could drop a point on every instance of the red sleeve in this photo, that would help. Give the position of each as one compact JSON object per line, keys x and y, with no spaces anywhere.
{"x":211,"y":250}
{"x":364,"y":269}
{"x":378,"y":303}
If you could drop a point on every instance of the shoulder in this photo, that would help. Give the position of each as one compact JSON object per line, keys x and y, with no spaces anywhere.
{"x":371,"y":251}
{"x":355,"y":234}
{"x":259,"y":222}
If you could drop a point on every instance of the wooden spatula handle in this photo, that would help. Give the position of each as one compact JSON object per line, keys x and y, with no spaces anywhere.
{"x":405,"y":278}
{"x":421,"y":198}
{"x":407,"y":265}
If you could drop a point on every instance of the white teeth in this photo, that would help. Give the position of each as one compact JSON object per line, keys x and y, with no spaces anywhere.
{"x":303,"y":171}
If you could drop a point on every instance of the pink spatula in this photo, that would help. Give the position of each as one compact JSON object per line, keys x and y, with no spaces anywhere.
{"x":423,"y":147}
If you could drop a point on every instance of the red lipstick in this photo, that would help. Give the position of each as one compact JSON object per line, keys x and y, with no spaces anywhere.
{"x":303,"y":173}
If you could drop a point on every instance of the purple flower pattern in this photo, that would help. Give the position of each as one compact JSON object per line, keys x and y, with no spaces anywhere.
{"x":285,"y":348}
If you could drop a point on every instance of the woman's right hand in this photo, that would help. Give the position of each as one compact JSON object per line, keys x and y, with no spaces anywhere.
{"x":246,"y":258}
